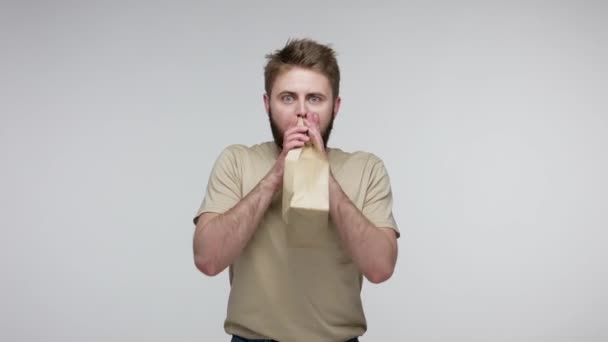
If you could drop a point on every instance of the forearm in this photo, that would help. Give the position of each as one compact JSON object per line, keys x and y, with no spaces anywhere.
{"x":370,"y":248}
{"x":218,"y":242}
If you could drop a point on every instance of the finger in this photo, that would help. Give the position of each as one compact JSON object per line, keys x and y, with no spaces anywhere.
{"x":311,"y":122}
{"x":300,"y":141}
{"x":309,"y":125}
{"x":291,"y":126}
{"x":316,"y":137}
{"x":297,"y":129}
{"x":298,"y":136}
{"x":292,"y":144}
{"x":313,"y":118}
{"x":314,"y":128}
{"x":316,"y":119}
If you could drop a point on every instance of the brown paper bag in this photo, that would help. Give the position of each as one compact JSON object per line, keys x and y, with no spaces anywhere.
{"x":305,"y":195}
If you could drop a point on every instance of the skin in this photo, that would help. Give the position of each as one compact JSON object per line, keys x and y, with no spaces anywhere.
{"x":220,"y":238}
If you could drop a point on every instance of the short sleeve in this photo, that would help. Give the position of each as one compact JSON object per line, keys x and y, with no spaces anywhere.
{"x":224,"y":184}
{"x":378,"y":203}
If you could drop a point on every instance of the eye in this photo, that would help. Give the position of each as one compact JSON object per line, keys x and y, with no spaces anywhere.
{"x":315,"y":99}
{"x":287,"y":98}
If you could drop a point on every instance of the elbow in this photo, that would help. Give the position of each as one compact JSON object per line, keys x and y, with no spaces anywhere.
{"x":380,"y":275}
{"x":205,"y":259}
{"x":377,"y":277}
{"x":206,"y":266}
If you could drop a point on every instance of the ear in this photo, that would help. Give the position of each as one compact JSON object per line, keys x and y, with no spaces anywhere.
{"x":267,"y":103}
{"x":337,"y":106}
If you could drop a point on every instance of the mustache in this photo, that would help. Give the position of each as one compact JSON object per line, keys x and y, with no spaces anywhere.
{"x":277,"y":134}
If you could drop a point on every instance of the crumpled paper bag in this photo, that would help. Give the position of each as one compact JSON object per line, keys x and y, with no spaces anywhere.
{"x":305,"y":202}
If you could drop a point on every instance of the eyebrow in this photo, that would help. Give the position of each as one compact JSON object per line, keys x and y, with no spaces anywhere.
{"x":318,"y":95}
{"x":289,"y":92}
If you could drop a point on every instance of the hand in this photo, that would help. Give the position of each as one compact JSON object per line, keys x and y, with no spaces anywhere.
{"x":313,"y":122}
{"x":294,"y":137}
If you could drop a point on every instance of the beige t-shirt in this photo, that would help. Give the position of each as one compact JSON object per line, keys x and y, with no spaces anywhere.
{"x":296,"y":294}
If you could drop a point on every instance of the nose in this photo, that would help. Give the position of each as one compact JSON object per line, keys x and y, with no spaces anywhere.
{"x":302,"y":109}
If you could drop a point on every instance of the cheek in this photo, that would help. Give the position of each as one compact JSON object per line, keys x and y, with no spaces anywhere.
{"x":325,"y":116}
{"x":280,"y":116}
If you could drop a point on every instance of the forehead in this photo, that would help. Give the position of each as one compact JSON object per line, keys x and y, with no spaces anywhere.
{"x":301,"y":80}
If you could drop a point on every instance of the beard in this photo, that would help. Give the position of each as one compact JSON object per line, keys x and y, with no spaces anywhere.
{"x":278,"y":135}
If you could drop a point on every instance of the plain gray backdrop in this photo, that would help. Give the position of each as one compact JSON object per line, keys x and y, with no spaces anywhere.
{"x":491,"y":117}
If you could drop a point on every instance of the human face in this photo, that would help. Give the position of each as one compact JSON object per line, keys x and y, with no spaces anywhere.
{"x":299,"y":92}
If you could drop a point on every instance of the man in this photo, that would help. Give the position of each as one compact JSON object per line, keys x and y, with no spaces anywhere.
{"x":279,"y":292}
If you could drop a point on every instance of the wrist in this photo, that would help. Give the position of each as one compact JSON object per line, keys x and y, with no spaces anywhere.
{"x":335,"y":191}
{"x":272,"y":182}
{"x":333,"y":184}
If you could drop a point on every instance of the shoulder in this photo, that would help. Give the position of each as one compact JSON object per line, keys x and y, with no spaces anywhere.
{"x":356,"y":159}
{"x":234,"y":149}
{"x":263,"y":150}
{"x":239,"y":152}
{"x":230,"y":154}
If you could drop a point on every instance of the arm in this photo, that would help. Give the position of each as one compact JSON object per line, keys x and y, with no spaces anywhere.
{"x":373,"y":249}
{"x":220,"y":238}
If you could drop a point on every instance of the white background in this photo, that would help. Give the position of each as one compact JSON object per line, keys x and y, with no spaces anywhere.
{"x":492,"y":119}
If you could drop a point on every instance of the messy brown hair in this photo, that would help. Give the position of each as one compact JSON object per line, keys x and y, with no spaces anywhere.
{"x":304,"y":53}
